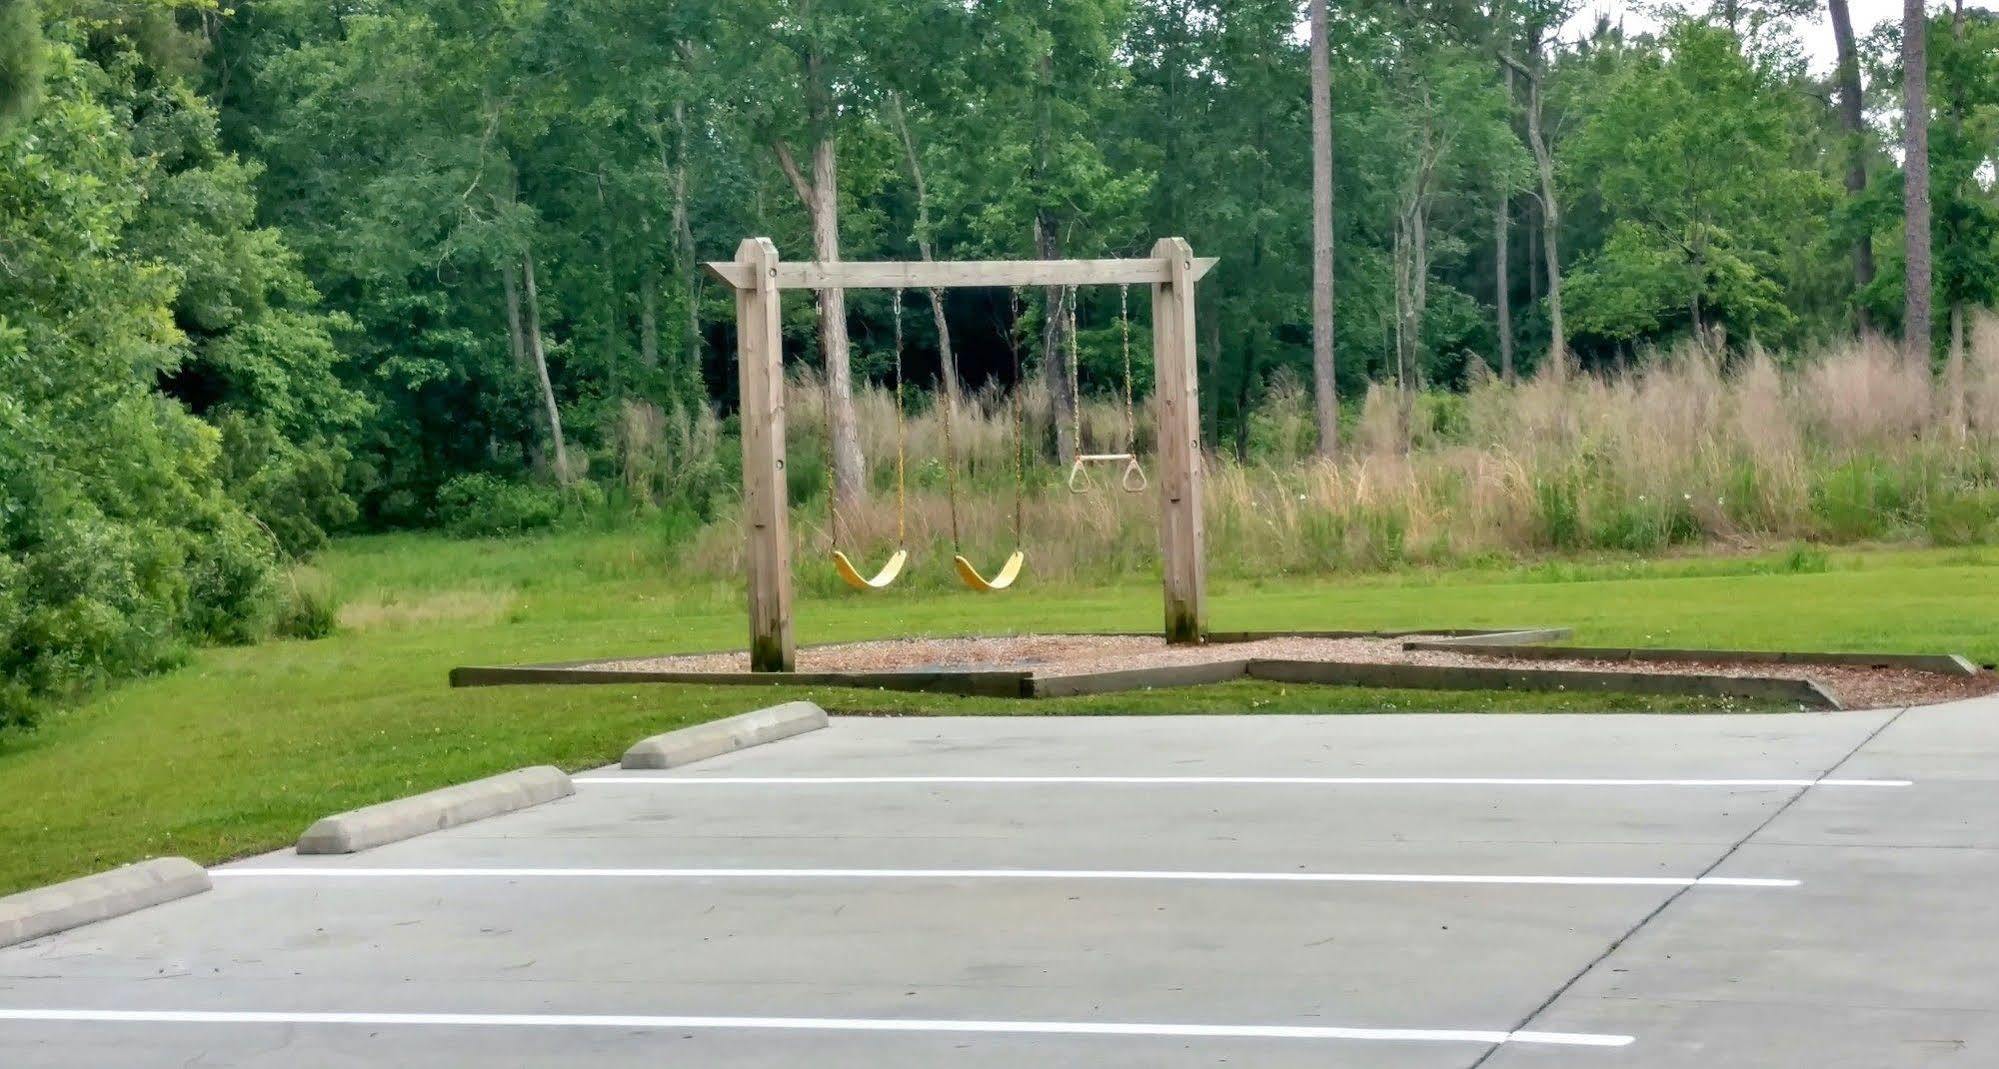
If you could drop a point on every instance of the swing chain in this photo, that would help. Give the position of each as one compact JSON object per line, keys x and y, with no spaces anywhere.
{"x":1019,"y":418}
{"x":832,"y":464}
{"x":1124,"y":326}
{"x":901,"y":431}
{"x":1075,"y":379}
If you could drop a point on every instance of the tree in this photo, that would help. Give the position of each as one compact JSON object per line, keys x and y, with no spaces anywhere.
{"x":813,"y":35}
{"x":1853,"y":119}
{"x":1698,"y":201}
{"x":947,"y":366}
{"x":21,"y":58}
{"x":1325,"y":388}
{"x":1916,"y":267}
{"x":1963,"y":151}
{"x":1036,"y":164}
{"x":1451,"y":132}
{"x":1540,"y":17}
{"x":146,"y":327}
{"x":1502,"y":257}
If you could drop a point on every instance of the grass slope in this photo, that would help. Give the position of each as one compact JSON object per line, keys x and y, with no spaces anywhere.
{"x":242,"y":749}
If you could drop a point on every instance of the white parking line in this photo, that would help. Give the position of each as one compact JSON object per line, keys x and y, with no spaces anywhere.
{"x":339,"y":873}
{"x":1272,"y":781}
{"x":820,"y":1024}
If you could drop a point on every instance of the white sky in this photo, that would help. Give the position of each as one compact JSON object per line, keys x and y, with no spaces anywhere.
{"x":1815,"y":30}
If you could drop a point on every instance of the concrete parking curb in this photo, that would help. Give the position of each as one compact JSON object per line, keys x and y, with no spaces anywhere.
{"x":388,"y":822}
{"x":100,"y":896}
{"x":675,"y":748}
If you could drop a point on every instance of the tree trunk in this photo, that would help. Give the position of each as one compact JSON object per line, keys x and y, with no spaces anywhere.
{"x":1407,"y":327}
{"x":1551,"y":223}
{"x":684,"y":263}
{"x":846,"y":431}
{"x":614,"y":324}
{"x":1915,"y":181}
{"x":821,"y":196}
{"x":1048,"y":246}
{"x":1211,"y":362}
{"x":649,"y":320}
{"x":947,"y":363}
{"x":1413,"y":282}
{"x":1412,"y":271}
{"x":1502,"y":265}
{"x":1954,"y":369}
{"x":1246,"y":375}
{"x":540,"y":358}
{"x":1325,"y":384}
{"x":1852,"y":116}
{"x":516,"y":337}
{"x":1252,"y":347}
{"x":1533,"y":256}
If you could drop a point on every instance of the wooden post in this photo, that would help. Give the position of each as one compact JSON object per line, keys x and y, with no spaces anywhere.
{"x":1182,"y":543}
{"x":766,"y":510}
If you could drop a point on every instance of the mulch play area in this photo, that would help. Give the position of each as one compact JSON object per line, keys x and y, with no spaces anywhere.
{"x":1067,"y":664}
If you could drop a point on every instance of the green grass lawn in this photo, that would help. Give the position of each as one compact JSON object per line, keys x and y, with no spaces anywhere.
{"x":243,"y":748}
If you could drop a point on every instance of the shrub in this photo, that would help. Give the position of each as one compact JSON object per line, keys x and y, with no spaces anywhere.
{"x":1862,"y":499}
{"x":479,"y":504}
{"x":1559,"y":514}
{"x":1960,"y":516}
{"x":310,"y":607}
{"x":1806,"y":560}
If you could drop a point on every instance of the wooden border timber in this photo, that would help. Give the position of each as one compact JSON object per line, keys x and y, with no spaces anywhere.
{"x":1127,"y":679}
{"x":1453,"y":635}
{"x":1803,"y":692}
{"x":1948,"y":664}
{"x":1459,"y":639}
{"x":978,"y":683}
{"x":758,"y":276}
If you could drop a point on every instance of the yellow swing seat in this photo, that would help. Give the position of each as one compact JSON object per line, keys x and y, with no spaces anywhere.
{"x":853,"y":577}
{"x":1008,"y":572}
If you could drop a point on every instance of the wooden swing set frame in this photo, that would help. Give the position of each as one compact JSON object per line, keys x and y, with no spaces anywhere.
{"x":759,"y":276}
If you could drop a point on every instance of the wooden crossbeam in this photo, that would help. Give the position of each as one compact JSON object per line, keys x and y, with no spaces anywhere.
{"x":946,"y":274}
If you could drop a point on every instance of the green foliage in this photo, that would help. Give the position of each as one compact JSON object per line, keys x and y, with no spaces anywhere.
{"x":21,"y":58}
{"x":480,"y":504}
{"x":140,"y":298}
{"x":1690,"y":150}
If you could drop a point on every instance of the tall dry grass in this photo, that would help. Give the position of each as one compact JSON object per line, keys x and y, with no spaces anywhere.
{"x":1840,"y":445}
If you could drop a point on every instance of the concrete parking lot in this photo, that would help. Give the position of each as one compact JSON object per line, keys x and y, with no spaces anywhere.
{"x":1397,"y":890}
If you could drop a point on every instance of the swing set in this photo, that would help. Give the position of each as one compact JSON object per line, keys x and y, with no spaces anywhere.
{"x":758,"y":276}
